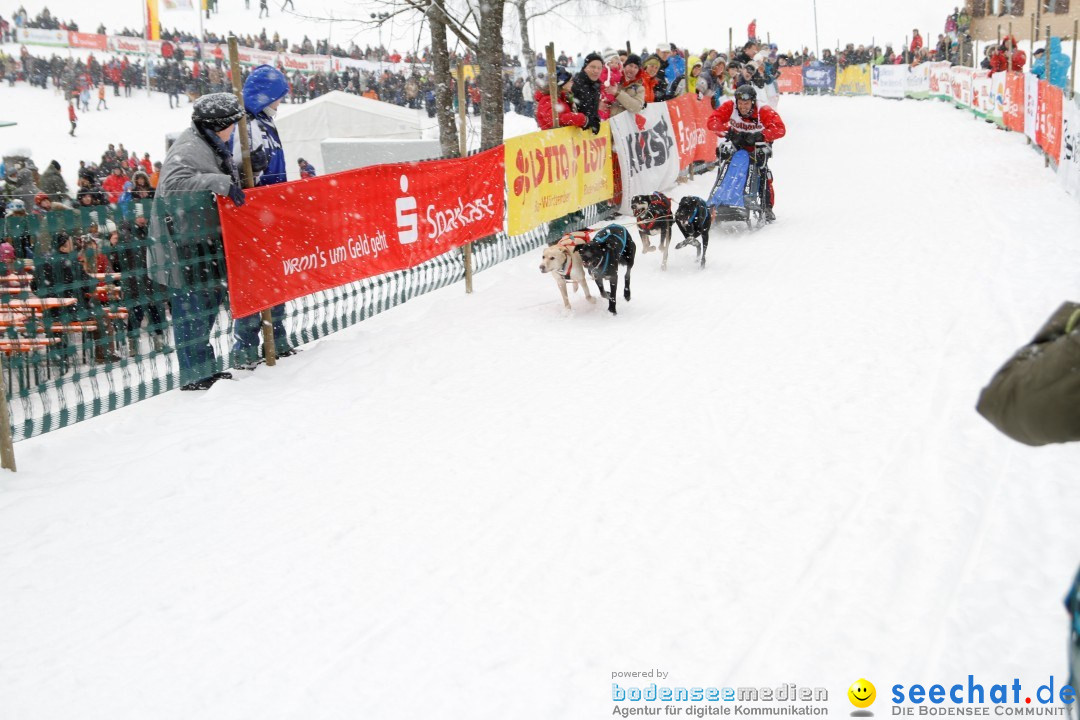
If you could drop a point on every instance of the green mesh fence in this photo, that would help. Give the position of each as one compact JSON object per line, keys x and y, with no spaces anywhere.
{"x":105,"y":306}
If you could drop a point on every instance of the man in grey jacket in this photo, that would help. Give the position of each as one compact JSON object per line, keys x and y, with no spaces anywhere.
{"x":186,"y":255}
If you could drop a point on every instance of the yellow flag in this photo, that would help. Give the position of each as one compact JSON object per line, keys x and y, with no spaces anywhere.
{"x":153,"y":31}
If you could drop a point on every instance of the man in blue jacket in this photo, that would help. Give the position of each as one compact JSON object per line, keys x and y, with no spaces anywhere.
{"x":1059,"y":64}
{"x":264,"y":89}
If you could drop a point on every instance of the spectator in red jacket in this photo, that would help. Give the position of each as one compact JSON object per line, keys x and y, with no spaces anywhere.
{"x":999,"y":61}
{"x":916,"y":41}
{"x":745,"y":125}
{"x":564,"y":106}
{"x":114,"y":184}
{"x":72,"y":118}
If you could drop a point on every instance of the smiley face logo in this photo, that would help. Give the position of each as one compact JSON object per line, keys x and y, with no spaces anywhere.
{"x":862,"y":693}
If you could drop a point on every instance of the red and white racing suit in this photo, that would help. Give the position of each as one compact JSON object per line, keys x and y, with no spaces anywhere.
{"x":764,"y":120}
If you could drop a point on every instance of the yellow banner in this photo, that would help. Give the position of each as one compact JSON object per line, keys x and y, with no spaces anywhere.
{"x":853,"y":80}
{"x":153,"y":23}
{"x":554,"y":172}
{"x":472,"y":72}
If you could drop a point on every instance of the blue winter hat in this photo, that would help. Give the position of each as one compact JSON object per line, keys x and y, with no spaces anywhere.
{"x":265,"y":85}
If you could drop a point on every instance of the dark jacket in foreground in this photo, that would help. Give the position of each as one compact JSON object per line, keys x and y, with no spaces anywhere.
{"x":1035,"y":397}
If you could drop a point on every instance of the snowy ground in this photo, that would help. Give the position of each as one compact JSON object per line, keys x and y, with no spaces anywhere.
{"x":766,"y":472}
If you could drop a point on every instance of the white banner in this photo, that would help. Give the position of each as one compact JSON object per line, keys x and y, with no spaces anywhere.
{"x":119,"y":43}
{"x":918,"y":81}
{"x":33,"y":36}
{"x":1069,"y":161}
{"x":982,"y":95}
{"x":648,"y":159}
{"x":997,"y":87}
{"x":940,"y":79}
{"x":888,"y":81}
{"x":177,"y":5}
{"x":960,"y":81}
{"x":305,"y":63}
{"x":1031,"y":105}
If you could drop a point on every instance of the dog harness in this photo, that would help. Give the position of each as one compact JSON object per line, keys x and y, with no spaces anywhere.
{"x":690,"y":228}
{"x":659,"y":205}
{"x":565,"y":272}
{"x":568,"y":244}
{"x":607,"y":250}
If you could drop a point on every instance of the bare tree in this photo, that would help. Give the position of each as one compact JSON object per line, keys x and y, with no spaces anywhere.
{"x":444,"y":93}
{"x":489,"y":57}
{"x":527,"y":10}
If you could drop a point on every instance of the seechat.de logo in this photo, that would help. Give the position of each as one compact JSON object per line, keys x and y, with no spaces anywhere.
{"x":862,"y":695}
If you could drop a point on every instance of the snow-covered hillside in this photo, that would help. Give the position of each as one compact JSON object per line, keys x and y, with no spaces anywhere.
{"x":480,"y":506}
{"x":140,"y":122}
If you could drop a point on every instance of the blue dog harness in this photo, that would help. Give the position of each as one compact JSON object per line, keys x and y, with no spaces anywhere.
{"x":602,"y":236}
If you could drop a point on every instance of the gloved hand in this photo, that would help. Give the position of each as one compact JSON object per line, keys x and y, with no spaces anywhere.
{"x":754,"y":138}
{"x":259,"y":161}
{"x":593,"y":123}
{"x":736,"y":138}
{"x":236,"y":195}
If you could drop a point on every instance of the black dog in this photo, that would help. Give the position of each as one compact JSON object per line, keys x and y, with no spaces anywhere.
{"x":609,"y":248}
{"x":653,"y":213}
{"x":694,"y":219}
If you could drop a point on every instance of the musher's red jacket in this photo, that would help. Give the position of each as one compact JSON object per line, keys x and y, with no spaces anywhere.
{"x":772,"y":127}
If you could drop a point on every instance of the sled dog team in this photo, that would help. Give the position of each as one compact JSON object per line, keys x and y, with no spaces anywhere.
{"x":602,"y":251}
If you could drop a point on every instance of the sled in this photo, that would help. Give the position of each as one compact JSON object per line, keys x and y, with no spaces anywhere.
{"x":737,"y":194}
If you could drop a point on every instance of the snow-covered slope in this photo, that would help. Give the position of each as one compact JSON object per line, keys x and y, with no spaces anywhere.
{"x":140,"y":122}
{"x":768,"y":471}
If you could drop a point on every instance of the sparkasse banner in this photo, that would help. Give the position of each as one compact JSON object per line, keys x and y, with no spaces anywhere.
{"x":688,"y":119}
{"x":296,"y":238}
{"x":790,"y":80}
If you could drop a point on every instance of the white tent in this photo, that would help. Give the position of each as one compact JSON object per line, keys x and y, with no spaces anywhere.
{"x":340,"y":115}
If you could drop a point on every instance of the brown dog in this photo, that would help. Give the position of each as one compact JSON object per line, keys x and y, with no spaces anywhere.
{"x":564,"y":264}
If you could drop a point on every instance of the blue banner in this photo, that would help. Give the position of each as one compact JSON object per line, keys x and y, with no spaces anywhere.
{"x":819,"y":75}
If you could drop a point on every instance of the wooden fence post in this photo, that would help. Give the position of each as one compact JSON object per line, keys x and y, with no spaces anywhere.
{"x":1046,"y":73}
{"x":463,"y":150}
{"x":7,"y":447}
{"x":1008,"y":55}
{"x":1072,"y":76}
{"x":553,"y":85}
{"x":269,"y":349}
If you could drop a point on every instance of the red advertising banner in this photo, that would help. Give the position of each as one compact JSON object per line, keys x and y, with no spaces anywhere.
{"x":1014,"y":101}
{"x":300,"y":237}
{"x":1048,"y":129}
{"x":87,"y":40}
{"x":790,"y":80}
{"x":688,"y":119}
